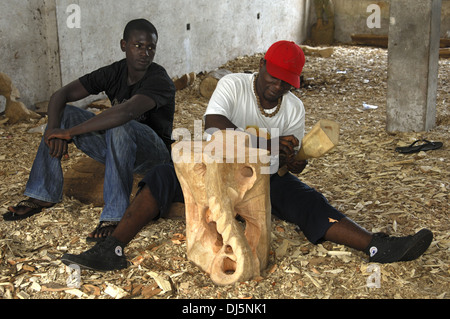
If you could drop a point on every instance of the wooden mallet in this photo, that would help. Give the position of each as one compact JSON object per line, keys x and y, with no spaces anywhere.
{"x":321,"y":139}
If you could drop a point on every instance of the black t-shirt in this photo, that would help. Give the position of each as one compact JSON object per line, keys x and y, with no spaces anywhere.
{"x":156,"y":84}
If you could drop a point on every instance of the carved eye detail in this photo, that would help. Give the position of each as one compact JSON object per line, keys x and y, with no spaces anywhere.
{"x":200,"y":168}
{"x":247,"y":171}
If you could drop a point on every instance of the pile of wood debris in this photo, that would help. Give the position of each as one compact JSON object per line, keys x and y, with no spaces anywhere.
{"x":364,"y":177}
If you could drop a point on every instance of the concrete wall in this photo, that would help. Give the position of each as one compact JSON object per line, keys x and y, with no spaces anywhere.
{"x":219,"y":30}
{"x":42,"y":50}
{"x":29,"y":47}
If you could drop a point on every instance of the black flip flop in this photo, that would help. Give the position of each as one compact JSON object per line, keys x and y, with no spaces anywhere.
{"x":35,"y":209}
{"x":413,"y":148}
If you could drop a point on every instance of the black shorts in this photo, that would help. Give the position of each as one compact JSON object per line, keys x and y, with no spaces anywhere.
{"x":164,"y":185}
{"x":297,"y":203}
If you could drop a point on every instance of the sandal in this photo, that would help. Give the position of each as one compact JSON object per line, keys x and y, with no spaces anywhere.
{"x":100,"y":229}
{"x":413,"y":148}
{"x":26,"y":203}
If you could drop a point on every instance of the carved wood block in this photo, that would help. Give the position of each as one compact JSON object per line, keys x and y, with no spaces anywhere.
{"x":227,"y":205}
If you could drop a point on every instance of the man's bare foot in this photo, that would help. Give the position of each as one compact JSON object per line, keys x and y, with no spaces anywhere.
{"x":103,"y":230}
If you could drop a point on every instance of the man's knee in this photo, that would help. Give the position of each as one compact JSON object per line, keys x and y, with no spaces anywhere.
{"x":73,"y":115}
{"x":163,"y":175}
{"x":121,"y":135}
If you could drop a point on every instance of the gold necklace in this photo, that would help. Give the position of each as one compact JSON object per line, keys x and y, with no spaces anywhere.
{"x":261,"y":109}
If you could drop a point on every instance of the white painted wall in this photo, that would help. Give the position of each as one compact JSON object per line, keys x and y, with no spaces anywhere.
{"x":219,"y":30}
{"x":40,"y":52}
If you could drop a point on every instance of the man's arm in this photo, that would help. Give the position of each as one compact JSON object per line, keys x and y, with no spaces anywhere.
{"x":220,"y":122}
{"x":71,"y":92}
{"x":110,"y":118}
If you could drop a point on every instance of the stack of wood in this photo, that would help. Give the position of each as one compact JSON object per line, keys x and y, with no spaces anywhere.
{"x":15,"y":110}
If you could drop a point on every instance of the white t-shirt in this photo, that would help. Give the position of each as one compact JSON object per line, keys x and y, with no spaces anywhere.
{"x":235,"y":99}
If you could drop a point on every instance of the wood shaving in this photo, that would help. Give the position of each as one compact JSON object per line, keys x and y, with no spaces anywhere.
{"x":364,"y":177}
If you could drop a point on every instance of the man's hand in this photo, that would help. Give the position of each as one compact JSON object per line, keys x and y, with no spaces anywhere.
{"x":296,"y":166}
{"x":57,"y":133}
{"x":287,"y":154}
{"x":288,"y":145}
{"x":57,"y":140}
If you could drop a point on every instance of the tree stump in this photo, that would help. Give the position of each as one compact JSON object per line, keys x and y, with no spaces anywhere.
{"x":84,"y":182}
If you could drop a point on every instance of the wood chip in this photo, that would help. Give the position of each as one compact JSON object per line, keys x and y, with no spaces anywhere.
{"x":115,"y":292}
{"x":364,"y":177}
{"x":161,"y":281}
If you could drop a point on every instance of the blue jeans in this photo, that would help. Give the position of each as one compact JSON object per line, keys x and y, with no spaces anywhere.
{"x":131,"y":148}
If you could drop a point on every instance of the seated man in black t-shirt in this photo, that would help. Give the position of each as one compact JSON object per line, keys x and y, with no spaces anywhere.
{"x":132,"y":136}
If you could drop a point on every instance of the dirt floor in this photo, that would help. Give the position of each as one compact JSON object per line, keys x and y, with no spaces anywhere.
{"x":364,"y":177}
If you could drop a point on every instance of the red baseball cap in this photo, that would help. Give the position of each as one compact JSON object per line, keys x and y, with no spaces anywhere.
{"x":285,"y":61}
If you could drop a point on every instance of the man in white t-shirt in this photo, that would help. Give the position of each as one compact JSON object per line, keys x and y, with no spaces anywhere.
{"x":263,"y":100}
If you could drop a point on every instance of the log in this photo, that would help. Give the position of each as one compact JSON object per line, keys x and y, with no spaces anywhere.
{"x":322,"y":138}
{"x":378,"y":40}
{"x":314,"y":51}
{"x":184,"y":81}
{"x":371,"y":40}
{"x":444,"y":53}
{"x":209,"y":83}
{"x":444,"y":43}
{"x":84,"y":182}
{"x":15,"y":110}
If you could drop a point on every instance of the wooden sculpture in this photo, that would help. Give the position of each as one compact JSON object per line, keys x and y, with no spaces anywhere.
{"x":323,"y":137}
{"x":226,"y":191}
